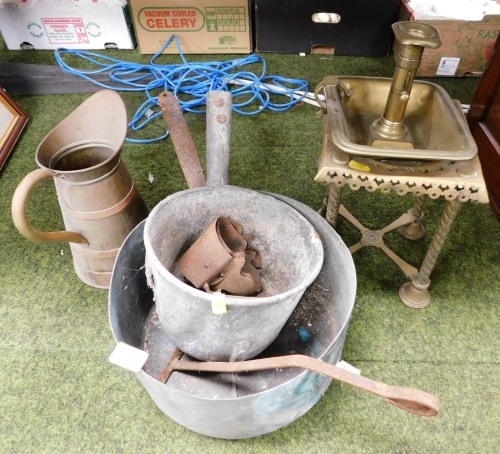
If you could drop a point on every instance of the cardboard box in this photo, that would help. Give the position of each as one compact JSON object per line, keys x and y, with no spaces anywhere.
{"x":355,"y":28}
{"x":203,"y":26}
{"x":77,"y":24}
{"x":465,"y":49}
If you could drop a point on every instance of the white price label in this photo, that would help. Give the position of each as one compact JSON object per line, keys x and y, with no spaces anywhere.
{"x":448,"y":66}
{"x":128,"y":357}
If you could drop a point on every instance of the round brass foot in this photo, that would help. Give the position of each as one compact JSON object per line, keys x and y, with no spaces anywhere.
{"x":414,"y":297}
{"x":414,"y":231}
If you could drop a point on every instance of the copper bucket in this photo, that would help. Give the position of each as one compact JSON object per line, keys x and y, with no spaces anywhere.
{"x":99,"y":201}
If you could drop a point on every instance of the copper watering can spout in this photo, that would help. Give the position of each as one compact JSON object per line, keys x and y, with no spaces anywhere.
{"x":99,"y":202}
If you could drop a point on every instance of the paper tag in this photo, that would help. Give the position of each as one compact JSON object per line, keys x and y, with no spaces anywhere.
{"x":65,"y":30}
{"x":448,"y":66}
{"x":128,"y":357}
{"x":346,"y":366}
{"x":219,"y":306}
{"x":358,"y":166}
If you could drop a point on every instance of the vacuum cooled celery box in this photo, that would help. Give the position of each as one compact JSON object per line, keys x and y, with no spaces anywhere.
{"x":203,"y":27}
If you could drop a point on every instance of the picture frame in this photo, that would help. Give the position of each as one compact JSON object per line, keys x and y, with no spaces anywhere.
{"x":12,"y":122}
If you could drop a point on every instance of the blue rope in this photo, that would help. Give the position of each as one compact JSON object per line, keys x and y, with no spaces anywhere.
{"x":190,"y":82}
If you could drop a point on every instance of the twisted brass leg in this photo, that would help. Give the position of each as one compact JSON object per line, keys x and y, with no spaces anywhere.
{"x":415,"y":293}
{"x":415,"y":230}
{"x":333,"y":205}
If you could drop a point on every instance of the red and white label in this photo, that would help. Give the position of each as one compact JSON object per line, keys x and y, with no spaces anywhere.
{"x":65,"y":30}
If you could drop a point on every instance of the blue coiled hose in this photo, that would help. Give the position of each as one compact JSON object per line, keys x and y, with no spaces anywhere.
{"x":190,"y":82}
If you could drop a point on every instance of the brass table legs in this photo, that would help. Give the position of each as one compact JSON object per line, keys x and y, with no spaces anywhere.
{"x":332,"y":205}
{"x":415,"y":293}
{"x":415,"y":230}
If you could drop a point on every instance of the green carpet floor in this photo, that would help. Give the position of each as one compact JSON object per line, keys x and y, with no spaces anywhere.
{"x":60,"y":394}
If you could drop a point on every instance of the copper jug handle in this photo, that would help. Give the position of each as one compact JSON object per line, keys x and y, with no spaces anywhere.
{"x":19,"y":212}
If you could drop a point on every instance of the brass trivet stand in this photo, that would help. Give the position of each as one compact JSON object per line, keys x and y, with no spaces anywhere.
{"x":456,"y":181}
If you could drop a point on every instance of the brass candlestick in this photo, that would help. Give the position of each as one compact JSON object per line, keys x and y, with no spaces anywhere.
{"x":390,"y":130}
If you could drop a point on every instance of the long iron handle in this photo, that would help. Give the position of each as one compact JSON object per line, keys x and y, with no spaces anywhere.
{"x":412,"y":400}
{"x":219,"y":110}
{"x":184,"y":146}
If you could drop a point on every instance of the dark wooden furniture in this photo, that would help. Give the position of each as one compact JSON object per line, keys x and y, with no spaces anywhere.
{"x":484,"y":122}
{"x":12,"y":122}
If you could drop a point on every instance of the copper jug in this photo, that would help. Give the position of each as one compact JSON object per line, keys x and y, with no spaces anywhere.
{"x":99,"y":201}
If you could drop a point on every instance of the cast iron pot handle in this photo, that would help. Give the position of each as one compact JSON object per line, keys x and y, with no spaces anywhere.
{"x":19,"y":212}
{"x":412,"y":400}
